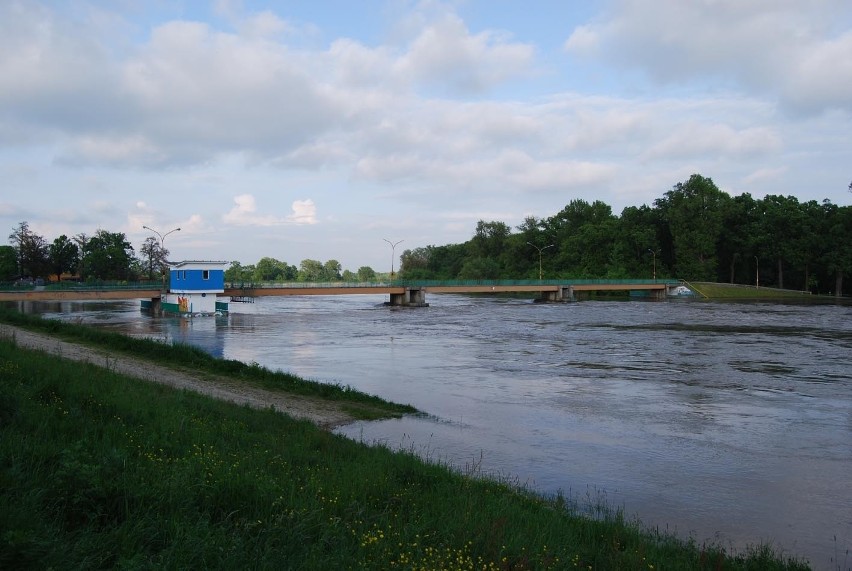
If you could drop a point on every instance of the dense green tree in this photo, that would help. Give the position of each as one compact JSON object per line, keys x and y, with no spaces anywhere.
{"x":273,"y":270}
{"x":63,"y":256}
{"x":780,"y":232}
{"x":693,"y":210}
{"x":331,"y":271}
{"x":489,"y":239}
{"x":837,"y":257}
{"x":311,"y":271}
{"x":365,"y":274}
{"x":239,"y":274}
{"x":107,"y":256}
{"x":8,"y":264}
{"x":635,"y":244}
{"x":414,"y":261}
{"x":737,"y":246}
{"x":480,"y":269}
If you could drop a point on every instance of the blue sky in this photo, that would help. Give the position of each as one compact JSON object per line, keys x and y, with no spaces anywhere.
{"x":315,"y":130}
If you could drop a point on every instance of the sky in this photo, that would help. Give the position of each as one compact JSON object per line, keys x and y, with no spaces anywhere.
{"x":322,"y":130}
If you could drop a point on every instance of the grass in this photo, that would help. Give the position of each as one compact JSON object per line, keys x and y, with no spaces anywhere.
{"x":182,"y":356}
{"x":714,"y":290}
{"x":102,"y":471}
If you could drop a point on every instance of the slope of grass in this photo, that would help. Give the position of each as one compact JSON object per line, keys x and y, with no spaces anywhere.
{"x":102,"y":471}
{"x":188,"y":357}
{"x":714,"y":290}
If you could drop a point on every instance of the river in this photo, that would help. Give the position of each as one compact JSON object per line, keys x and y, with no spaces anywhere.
{"x":727,"y":422}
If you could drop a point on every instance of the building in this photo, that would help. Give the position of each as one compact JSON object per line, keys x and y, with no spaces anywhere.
{"x":193,"y":288}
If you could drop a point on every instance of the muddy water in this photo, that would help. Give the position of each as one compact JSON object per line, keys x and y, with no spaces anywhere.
{"x":728,"y":422}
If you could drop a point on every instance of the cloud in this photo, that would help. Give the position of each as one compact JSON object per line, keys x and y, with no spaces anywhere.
{"x":245,"y":213}
{"x":798,"y":52}
{"x":697,"y":139}
{"x":446,"y":54}
{"x":304,"y":212}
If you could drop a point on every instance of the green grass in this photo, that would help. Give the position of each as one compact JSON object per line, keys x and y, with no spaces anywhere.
{"x":713,"y":290}
{"x":102,"y":471}
{"x":182,"y":356}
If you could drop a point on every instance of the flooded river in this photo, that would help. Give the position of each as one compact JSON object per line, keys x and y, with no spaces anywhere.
{"x":727,"y":422}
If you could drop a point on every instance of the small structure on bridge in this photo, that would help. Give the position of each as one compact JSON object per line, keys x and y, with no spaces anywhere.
{"x":193,"y":287}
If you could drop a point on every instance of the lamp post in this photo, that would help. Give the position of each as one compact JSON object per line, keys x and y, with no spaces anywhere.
{"x":393,"y":246}
{"x":653,"y":253}
{"x":162,"y":248}
{"x":756,"y":273}
{"x":539,"y":256}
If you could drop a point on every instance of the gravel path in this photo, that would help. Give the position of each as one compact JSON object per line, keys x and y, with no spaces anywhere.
{"x":326,"y":414}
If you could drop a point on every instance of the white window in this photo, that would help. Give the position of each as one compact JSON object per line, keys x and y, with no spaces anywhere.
{"x":205,"y":274}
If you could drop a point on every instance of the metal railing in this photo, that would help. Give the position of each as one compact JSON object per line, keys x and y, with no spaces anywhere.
{"x":445,"y":283}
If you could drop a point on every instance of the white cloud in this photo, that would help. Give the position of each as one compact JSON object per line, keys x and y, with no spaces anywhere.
{"x":797,"y":51}
{"x":696,"y":139}
{"x":446,"y":54}
{"x":304,"y":212}
{"x":245,"y":213}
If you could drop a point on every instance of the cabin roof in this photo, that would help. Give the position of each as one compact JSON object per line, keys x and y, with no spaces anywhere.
{"x":197,"y":264}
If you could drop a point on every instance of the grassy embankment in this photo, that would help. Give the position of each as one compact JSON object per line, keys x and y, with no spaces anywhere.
{"x":712,"y":290}
{"x":102,"y":471}
{"x":180,"y":356}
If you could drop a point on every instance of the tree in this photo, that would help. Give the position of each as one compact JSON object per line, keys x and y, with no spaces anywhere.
{"x":63,"y":255}
{"x":272,"y":270}
{"x":490,"y":239}
{"x":107,"y":256}
{"x":693,"y":212}
{"x":366,"y":274}
{"x":8,"y":264}
{"x":153,"y":252}
{"x":332,"y":270}
{"x":311,"y":271}
{"x":412,"y":261}
{"x":736,"y":246}
{"x":480,"y":269}
{"x":781,"y":231}
{"x":32,"y":251}
{"x":837,"y":259}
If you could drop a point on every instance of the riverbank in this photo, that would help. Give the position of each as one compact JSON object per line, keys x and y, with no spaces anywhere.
{"x":100,"y":470}
{"x":325,"y":404}
{"x":720,"y":291}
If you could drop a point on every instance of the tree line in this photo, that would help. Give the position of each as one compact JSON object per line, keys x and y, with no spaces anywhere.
{"x":102,"y":256}
{"x":694,"y":232}
{"x":110,"y":256}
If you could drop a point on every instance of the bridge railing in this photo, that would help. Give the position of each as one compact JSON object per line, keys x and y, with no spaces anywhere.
{"x":444,"y":283}
{"x":81,"y":286}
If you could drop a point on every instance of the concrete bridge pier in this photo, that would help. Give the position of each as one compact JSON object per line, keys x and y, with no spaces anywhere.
{"x":562,"y":293}
{"x":411,"y":297}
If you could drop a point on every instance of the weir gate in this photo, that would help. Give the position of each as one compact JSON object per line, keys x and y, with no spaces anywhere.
{"x":401,"y":293}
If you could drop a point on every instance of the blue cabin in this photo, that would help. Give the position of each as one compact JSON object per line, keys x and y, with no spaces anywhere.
{"x":193,"y":287}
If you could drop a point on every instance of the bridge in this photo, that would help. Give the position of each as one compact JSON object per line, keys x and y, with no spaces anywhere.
{"x":401,"y":293}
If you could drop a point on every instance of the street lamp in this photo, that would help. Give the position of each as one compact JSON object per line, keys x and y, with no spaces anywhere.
{"x":393,"y":246}
{"x":162,"y":248}
{"x":655,"y":263}
{"x":756,"y":273}
{"x":539,"y":256}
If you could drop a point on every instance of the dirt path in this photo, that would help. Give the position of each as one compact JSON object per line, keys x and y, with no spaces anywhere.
{"x":326,"y":414}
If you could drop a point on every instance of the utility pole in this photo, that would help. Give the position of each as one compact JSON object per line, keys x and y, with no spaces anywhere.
{"x":539,"y":256}
{"x":162,"y":249}
{"x":393,"y":246}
